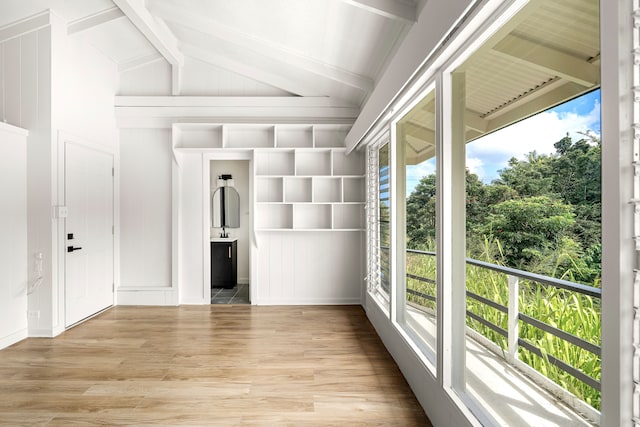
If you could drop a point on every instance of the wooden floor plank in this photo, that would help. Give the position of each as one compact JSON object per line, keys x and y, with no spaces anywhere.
{"x":209,"y":365}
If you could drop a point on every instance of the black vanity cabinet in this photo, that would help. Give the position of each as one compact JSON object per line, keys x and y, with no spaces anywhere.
{"x":224,"y":263}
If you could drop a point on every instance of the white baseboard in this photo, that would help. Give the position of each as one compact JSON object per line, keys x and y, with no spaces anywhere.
{"x":13,"y":338}
{"x":141,"y":296}
{"x":308,"y":301}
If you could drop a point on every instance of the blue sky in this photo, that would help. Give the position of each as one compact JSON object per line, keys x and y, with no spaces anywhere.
{"x":487,"y":155}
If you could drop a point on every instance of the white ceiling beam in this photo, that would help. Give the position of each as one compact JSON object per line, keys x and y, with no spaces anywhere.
{"x":392,"y":9}
{"x":158,"y":35}
{"x":163,"y":111}
{"x":296,"y":102}
{"x":265,"y":48}
{"x":549,"y":60}
{"x":139,"y":62}
{"x":259,"y":73}
{"x":93,"y":20}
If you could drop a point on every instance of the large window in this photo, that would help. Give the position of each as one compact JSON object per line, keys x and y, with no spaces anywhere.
{"x":496,"y":221}
{"x":416,"y":160}
{"x":532,"y":185}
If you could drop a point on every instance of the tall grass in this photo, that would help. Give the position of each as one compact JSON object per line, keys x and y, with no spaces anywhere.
{"x":569,"y":311}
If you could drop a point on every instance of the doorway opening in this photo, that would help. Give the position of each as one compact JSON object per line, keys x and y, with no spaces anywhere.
{"x":229,"y":231}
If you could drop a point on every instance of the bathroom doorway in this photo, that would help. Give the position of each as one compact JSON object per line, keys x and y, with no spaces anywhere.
{"x":229,"y":228}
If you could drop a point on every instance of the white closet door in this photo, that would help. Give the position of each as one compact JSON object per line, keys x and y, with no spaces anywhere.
{"x":88,"y":232}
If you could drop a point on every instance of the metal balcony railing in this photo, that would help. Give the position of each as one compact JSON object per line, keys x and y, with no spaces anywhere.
{"x":515,"y":316}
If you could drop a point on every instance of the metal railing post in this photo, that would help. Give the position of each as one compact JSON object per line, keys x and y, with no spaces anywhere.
{"x":512,"y":316}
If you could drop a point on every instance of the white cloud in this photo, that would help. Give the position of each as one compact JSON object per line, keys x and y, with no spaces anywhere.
{"x":476,"y":165}
{"x":537,"y":133}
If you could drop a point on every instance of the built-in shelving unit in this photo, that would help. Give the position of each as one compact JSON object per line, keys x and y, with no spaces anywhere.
{"x":303,"y":178}
{"x":324,"y":192}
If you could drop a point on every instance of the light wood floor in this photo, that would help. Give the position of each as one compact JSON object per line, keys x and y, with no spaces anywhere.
{"x":209,"y":365}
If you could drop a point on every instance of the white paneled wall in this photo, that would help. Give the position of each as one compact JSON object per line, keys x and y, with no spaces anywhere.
{"x":198,"y":79}
{"x":310,"y":267}
{"x":145,"y":213}
{"x":13,"y":229}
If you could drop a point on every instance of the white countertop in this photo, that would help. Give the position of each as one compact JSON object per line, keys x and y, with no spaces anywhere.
{"x":223,"y":239}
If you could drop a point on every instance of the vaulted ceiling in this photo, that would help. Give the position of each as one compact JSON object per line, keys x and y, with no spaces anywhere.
{"x":330,"y":48}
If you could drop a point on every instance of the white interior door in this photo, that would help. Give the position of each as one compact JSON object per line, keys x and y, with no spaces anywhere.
{"x":88,"y":232}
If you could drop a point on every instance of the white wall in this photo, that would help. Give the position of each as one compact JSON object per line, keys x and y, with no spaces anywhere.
{"x":310,"y":267}
{"x":192,"y":231}
{"x":145,"y":209}
{"x":26,"y":101}
{"x":198,"y":79}
{"x":13,"y":229}
{"x":239,"y":169}
{"x":52,"y":83}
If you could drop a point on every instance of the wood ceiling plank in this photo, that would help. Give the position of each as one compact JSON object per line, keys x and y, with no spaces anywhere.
{"x":549,"y":60}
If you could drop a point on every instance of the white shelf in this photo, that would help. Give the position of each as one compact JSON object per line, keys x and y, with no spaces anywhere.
{"x":297,"y":189}
{"x":275,"y":163}
{"x":249,"y":136}
{"x":311,"y":216}
{"x":197,"y":136}
{"x":348,"y":216}
{"x":353,"y":189}
{"x":274,"y":217}
{"x":350,"y":165}
{"x":313,"y":162}
{"x":327,"y":189}
{"x":269,"y":189}
{"x":291,"y":136}
{"x":303,"y":180}
{"x":330,"y":135}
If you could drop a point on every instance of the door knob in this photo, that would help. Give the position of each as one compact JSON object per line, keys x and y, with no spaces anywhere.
{"x":71,"y":249}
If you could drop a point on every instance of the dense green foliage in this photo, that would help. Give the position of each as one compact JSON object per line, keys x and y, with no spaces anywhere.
{"x":541,"y":215}
{"x":544,"y":210}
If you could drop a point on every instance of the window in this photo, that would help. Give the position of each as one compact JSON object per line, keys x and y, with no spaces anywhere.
{"x":416,"y":160}
{"x":378,"y":221}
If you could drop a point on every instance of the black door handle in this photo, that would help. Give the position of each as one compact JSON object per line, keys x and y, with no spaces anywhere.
{"x":71,"y":249}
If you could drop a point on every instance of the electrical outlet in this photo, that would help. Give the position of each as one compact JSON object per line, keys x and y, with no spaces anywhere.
{"x":33,"y":314}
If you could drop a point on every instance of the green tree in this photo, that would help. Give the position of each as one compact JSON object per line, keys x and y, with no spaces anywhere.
{"x":421,"y":214}
{"x":529,"y":177}
{"x":529,"y":229}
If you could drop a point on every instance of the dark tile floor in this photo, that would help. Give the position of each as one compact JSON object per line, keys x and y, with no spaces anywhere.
{"x":237,"y":295}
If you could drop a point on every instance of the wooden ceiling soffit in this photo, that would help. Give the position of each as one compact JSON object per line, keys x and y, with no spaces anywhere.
{"x":549,"y":60}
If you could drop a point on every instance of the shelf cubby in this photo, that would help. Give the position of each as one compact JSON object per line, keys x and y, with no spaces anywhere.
{"x":353,"y":190}
{"x":289,"y":136}
{"x":329,"y":136}
{"x":327,"y":190}
{"x":311,"y":217}
{"x":249,"y":136}
{"x":269,"y":190}
{"x":353,"y":164}
{"x":348,"y":217}
{"x":275,"y":217}
{"x":197,"y":135}
{"x":297,"y":190}
{"x":313,"y":162}
{"x":275,"y":162}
